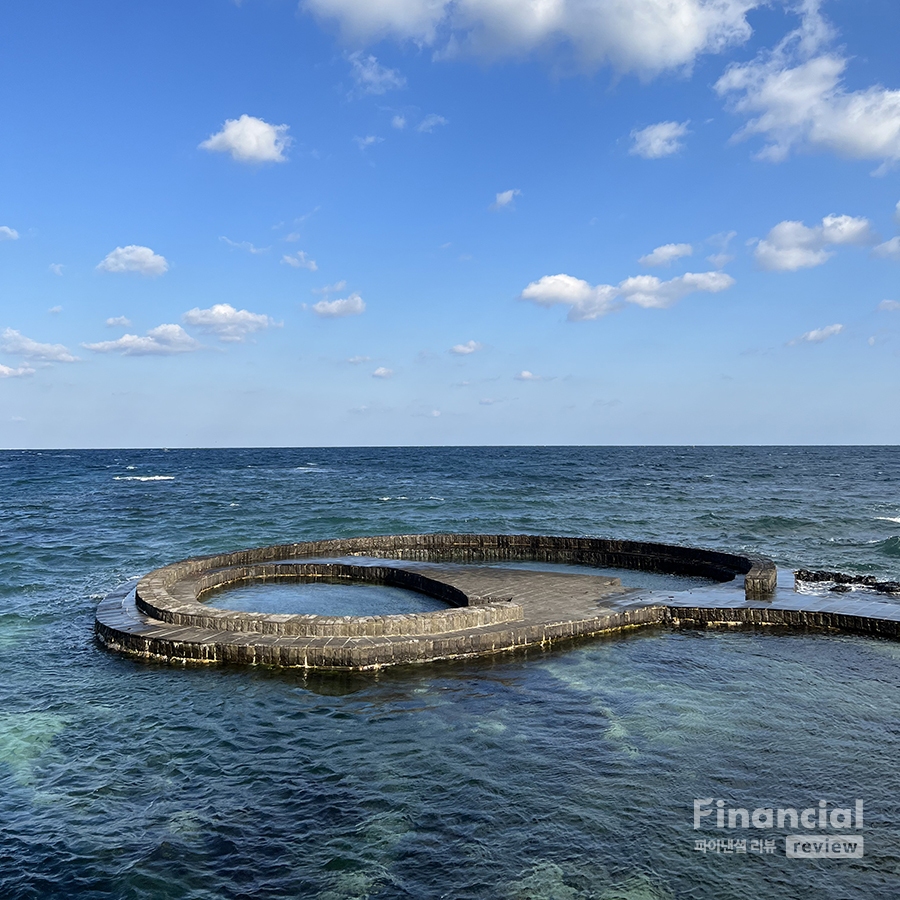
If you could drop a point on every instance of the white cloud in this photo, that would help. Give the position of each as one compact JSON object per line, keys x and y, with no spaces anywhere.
{"x":367,"y":141}
{"x":356,"y":360}
{"x":798,"y":100}
{"x":164,"y":340}
{"x":897,"y":213}
{"x":648,"y":291}
{"x":666,"y":254}
{"x":889,"y":305}
{"x":226,"y":322}
{"x":335,"y":309}
{"x":791,"y":245}
{"x":399,"y":122}
{"x":243,"y":245}
{"x":525,"y":375}
{"x":659,"y":140}
{"x":330,"y":288}
{"x":300,"y":260}
{"x":373,"y":78}
{"x":430,"y":122}
{"x":8,"y":234}
{"x":505,"y":199}
{"x":55,"y":310}
{"x":643,"y":36}
{"x":817,"y":335}
{"x":466,"y":348}
{"x":9,"y":372}
{"x":118,"y":322}
{"x":134,"y":258}
{"x":250,"y":140}
{"x":382,"y":372}
{"x":13,"y":342}
{"x":889,"y":249}
{"x":586,"y":301}
{"x":56,"y":268}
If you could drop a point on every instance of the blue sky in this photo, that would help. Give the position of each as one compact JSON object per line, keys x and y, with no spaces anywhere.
{"x":422,"y":222}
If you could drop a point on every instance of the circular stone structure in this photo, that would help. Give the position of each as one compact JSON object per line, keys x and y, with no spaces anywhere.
{"x":489,"y":609}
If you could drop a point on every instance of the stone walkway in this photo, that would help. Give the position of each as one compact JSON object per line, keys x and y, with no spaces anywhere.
{"x":531,"y":608}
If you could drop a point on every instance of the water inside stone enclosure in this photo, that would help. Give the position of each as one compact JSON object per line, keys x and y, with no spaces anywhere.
{"x":554,"y":775}
{"x":324,"y":599}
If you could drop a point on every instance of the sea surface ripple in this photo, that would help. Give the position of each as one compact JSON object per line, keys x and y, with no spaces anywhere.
{"x":543,"y":776}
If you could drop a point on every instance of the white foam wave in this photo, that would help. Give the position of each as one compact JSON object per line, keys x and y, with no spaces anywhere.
{"x":143,"y":477}
{"x":888,"y":519}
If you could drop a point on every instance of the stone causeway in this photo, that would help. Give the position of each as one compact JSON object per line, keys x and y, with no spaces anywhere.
{"x":490,"y":609}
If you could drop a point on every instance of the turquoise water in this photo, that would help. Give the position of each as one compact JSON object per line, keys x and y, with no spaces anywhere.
{"x":553,"y":776}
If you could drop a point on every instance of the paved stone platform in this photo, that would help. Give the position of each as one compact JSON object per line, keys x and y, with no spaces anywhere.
{"x":489,"y":609}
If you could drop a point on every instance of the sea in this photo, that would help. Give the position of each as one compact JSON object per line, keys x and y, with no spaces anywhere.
{"x":562,"y":774}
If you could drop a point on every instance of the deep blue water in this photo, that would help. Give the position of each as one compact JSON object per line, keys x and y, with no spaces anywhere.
{"x":548,"y":776}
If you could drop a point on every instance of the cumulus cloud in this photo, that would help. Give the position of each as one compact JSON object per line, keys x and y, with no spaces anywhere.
{"x":659,"y":140}
{"x":118,"y":322}
{"x":55,"y":310}
{"x":300,"y":260}
{"x":889,"y":249}
{"x":817,"y":335}
{"x":8,"y":234}
{"x":9,"y":372}
{"x":791,"y":245}
{"x":336,"y":309}
{"x":466,"y":348}
{"x":226,"y":322}
{"x":666,"y":254}
{"x":889,"y":305}
{"x":643,"y":36}
{"x":356,"y":360}
{"x":243,"y":245}
{"x":164,"y":340}
{"x":399,"y":122}
{"x":798,"y":100}
{"x":250,"y":140}
{"x":505,"y":199}
{"x":525,"y":375}
{"x":134,"y":258}
{"x":56,"y":268}
{"x":382,"y":372}
{"x":373,"y":78}
{"x":587,"y":302}
{"x":430,"y":122}
{"x":12,"y":341}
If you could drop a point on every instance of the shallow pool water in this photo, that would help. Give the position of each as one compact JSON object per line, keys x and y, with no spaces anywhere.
{"x":323,"y":599}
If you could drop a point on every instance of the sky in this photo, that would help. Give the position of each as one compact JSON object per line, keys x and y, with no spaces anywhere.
{"x":420,"y":222}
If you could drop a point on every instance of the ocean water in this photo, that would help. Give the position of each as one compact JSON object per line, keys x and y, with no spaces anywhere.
{"x":541,"y":776}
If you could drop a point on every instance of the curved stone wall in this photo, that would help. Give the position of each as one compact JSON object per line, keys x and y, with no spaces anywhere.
{"x":177,"y":602}
{"x":490,"y":610}
{"x":759,"y":572}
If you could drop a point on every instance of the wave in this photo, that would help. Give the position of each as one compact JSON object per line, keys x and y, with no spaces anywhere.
{"x":143,"y":477}
{"x":888,"y":519}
